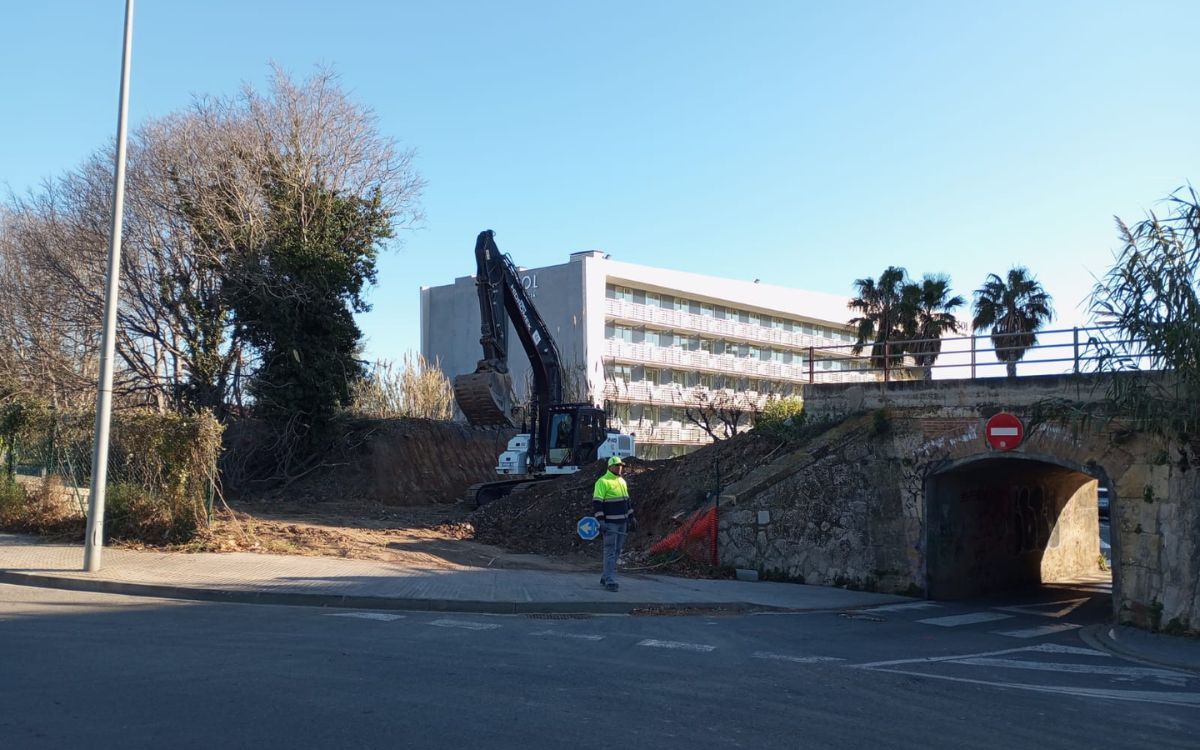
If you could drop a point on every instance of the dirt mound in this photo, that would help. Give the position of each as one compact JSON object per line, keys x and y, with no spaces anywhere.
{"x":389,"y":461}
{"x":541,"y":518}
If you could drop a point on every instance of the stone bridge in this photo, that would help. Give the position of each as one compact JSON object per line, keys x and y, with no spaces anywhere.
{"x":904,"y":494}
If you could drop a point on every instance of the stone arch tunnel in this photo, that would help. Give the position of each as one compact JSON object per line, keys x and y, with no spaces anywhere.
{"x":1003,"y":521}
{"x":905,"y":494}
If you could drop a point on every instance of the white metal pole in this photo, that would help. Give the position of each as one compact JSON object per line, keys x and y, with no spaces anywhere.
{"x":93,"y":543}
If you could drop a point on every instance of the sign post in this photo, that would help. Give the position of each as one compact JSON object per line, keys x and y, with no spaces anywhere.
{"x":1004,"y":431}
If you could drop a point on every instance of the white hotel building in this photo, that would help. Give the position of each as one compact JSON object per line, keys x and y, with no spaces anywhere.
{"x":648,"y":342}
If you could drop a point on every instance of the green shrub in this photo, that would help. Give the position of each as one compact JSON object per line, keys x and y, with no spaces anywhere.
{"x":135,"y":514}
{"x":12,"y":500}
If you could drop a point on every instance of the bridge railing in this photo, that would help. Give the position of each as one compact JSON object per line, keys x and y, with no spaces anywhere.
{"x":1055,"y":351}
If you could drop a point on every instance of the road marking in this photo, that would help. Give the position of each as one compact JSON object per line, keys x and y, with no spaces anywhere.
{"x":1039,"y":608}
{"x":902,"y":607}
{"x":1139,"y":696}
{"x":651,"y":643}
{"x":577,"y":636}
{"x":464,"y":624}
{"x":972,"y":618}
{"x":1037,"y":632}
{"x":381,"y":616}
{"x":1041,"y":648}
{"x":795,"y":659}
{"x":1164,"y":676}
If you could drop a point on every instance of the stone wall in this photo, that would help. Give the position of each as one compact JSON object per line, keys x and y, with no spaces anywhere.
{"x":852,"y":508}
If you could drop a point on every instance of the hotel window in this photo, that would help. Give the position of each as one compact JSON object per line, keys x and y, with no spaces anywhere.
{"x":652,"y":299}
{"x":639,"y":297}
{"x":621,"y":293}
{"x":743,"y":316}
{"x":707,"y":380}
{"x":651,"y":375}
{"x":679,"y":377}
{"x":806,"y":328}
{"x":721,"y":312}
{"x":754,"y":319}
{"x":706,"y":345}
{"x":693,"y":307}
{"x":707,"y":310}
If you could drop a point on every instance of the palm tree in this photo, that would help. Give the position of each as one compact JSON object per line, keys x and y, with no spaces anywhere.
{"x":928,"y":312}
{"x":1013,"y":308}
{"x":881,"y":304}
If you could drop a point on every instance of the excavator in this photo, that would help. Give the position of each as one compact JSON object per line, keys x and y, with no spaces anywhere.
{"x":556,"y":438}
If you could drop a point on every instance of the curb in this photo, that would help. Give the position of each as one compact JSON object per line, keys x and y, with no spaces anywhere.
{"x":232,"y":596}
{"x":1097,"y":636}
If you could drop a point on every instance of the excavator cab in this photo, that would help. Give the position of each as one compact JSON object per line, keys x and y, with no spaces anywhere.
{"x":575,"y":434}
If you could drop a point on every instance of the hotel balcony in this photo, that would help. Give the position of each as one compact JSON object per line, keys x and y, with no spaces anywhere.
{"x":619,"y":311}
{"x":726,"y":364}
{"x":641,"y":392}
{"x":659,"y":433}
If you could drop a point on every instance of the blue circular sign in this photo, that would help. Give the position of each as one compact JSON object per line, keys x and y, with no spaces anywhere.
{"x":588,"y":528}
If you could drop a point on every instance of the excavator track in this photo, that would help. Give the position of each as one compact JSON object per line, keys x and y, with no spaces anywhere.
{"x":480,"y":397}
{"x":485,"y":492}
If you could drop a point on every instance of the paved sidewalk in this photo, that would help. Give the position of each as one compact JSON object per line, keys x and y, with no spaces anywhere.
{"x":1153,"y":648}
{"x":332,"y":582}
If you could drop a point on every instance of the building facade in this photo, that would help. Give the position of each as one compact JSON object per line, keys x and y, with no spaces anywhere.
{"x":662,"y":350}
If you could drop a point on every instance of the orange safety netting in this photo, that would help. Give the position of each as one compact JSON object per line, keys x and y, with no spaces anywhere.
{"x":696,"y":538}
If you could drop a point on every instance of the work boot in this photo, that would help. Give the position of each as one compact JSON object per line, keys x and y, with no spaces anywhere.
{"x":612,"y":587}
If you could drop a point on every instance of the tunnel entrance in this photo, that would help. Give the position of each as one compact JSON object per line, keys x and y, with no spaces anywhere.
{"x":1006,"y":522}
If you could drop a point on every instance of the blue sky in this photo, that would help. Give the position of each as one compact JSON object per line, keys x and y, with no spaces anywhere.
{"x":804,"y":143}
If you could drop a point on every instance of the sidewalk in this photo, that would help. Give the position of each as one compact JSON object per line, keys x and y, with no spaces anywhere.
{"x":332,"y":582}
{"x":1153,"y":648}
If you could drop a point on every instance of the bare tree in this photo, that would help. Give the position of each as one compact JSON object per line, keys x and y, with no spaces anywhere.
{"x":196,"y":214}
{"x":721,"y":413}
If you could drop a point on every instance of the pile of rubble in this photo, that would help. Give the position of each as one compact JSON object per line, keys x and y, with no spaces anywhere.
{"x":541,"y":518}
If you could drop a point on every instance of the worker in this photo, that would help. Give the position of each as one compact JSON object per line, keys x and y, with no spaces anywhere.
{"x":614,"y":511}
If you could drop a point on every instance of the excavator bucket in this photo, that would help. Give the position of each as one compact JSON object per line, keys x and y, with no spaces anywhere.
{"x":485,"y":399}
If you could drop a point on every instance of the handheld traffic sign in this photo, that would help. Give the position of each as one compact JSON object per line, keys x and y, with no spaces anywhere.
{"x":588,"y":528}
{"x":1004,"y":431}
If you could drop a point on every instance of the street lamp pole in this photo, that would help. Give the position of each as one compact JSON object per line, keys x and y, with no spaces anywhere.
{"x":93,"y":543}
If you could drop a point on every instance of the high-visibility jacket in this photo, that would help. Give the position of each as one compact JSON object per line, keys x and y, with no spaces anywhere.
{"x":610,"y":498}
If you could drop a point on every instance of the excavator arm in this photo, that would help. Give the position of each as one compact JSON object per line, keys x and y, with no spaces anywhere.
{"x":485,"y":396}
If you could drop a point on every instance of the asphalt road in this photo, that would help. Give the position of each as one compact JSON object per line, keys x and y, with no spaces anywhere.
{"x":108,"y":671}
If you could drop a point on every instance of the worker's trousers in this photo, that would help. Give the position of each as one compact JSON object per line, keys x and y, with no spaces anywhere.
{"x":614,"y":540}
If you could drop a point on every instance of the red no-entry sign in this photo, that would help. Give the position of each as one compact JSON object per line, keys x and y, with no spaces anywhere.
{"x":1004,"y":431}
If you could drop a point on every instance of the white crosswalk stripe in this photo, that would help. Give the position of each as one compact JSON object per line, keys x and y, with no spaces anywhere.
{"x":464,"y":624}
{"x":680,"y":645}
{"x":575,"y":636}
{"x":1037,"y":632}
{"x":795,"y":659}
{"x":380,"y":616}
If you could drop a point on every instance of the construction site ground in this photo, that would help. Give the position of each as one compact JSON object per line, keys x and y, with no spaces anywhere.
{"x":426,"y":536}
{"x":533,"y":529}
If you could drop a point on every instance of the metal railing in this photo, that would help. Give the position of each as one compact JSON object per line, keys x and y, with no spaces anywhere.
{"x":1055,"y":352}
